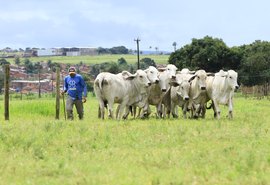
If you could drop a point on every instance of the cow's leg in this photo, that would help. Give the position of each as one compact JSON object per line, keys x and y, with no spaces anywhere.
{"x":167,"y":110}
{"x":139,"y":112}
{"x":110,"y":109}
{"x":134,"y":111}
{"x":214,"y":109}
{"x":217,"y":109}
{"x":122,"y":107}
{"x":196,"y":111}
{"x":159,"y":110}
{"x":184,"y":109}
{"x":191,"y":108}
{"x":174,"y":110}
{"x":101,"y":108}
{"x":230,"y":108}
{"x":127,"y":110}
{"x":121,"y":110}
{"x":144,"y":113}
{"x":203,"y":109}
{"x":117,"y":111}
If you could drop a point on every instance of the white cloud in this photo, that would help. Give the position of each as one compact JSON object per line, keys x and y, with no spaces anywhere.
{"x":109,"y":23}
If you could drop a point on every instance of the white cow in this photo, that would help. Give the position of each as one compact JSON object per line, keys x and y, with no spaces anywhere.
{"x":180,"y":94}
{"x":220,"y":89}
{"x":198,"y":96}
{"x":123,"y":88}
{"x":152,"y":74}
{"x":157,"y":92}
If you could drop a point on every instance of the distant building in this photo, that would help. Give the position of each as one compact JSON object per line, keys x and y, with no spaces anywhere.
{"x":77,"y":51}
{"x":47,"y":52}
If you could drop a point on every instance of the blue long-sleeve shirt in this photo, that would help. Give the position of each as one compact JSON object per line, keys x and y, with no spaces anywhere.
{"x":75,"y":86}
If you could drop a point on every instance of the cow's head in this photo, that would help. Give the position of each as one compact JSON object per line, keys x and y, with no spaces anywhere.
{"x":199,"y":79}
{"x":170,"y":70}
{"x":164,"y":82}
{"x":152,"y":74}
{"x":232,"y":79}
{"x":183,"y":90}
{"x":142,"y":78}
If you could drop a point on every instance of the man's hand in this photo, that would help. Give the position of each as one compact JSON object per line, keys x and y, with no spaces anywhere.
{"x":62,"y":92}
{"x":83,"y":99}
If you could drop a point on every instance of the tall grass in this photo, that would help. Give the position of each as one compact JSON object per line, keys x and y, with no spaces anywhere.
{"x":36,"y":149}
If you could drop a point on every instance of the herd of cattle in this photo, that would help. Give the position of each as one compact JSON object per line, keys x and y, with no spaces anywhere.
{"x":166,"y":89}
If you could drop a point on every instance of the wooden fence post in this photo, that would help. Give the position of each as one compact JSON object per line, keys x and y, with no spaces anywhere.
{"x":6,"y":86}
{"x":57,"y":105}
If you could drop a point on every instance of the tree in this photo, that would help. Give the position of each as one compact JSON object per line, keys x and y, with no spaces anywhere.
{"x":113,"y":50}
{"x":87,"y":80}
{"x":29,"y":67}
{"x":156,"y":48}
{"x":255,"y":65}
{"x":3,"y":62}
{"x":111,"y":67}
{"x":119,"y":50}
{"x":174,"y":45}
{"x":146,"y":62}
{"x":17,"y":61}
{"x":2,"y":77}
{"x":122,"y":61}
{"x":208,"y":53}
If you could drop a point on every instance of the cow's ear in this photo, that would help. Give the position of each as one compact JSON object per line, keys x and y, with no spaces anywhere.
{"x":210,"y":74}
{"x":146,"y":70}
{"x":161,"y":69}
{"x":192,"y":72}
{"x":131,"y":76}
{"x":178,"y":72}
{"x":126,"y":74}
{"x":174,"y":83}
{"x":192,"y":78}
{"x":225,"y":75}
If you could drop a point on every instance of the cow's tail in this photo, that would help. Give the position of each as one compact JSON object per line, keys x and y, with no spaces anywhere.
{"x":99,"y":83}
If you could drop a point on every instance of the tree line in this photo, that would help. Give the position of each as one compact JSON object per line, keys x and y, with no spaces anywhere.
{"x":251,"y":61}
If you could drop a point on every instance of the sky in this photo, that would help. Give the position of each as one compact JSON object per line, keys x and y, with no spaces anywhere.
{"x":110,"y":23}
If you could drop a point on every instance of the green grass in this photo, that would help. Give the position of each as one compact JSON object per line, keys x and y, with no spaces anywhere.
{"x":96,"y":59}
{"x":37,"y":149}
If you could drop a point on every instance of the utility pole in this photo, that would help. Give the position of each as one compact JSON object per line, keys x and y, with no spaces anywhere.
{"x":6,"y":86}
{"x":57,"y":91}
{"x":138,"y":51}
{"x":39,"y":85}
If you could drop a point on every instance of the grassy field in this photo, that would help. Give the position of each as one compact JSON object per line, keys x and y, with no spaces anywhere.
{"x":37,"y":149}
{"x":131,"y":59}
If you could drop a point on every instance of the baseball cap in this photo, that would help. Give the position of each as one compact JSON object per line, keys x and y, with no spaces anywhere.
{"x":72,"y":70}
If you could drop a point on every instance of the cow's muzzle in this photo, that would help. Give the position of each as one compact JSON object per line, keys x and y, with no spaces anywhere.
{"x":186,"y":98}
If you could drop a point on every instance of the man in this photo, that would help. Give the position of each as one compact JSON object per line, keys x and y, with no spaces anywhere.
{"x":75,"y":86}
